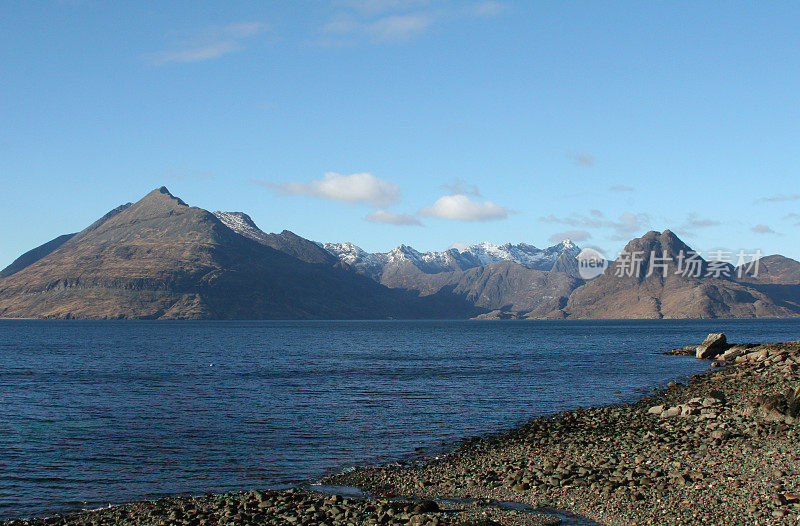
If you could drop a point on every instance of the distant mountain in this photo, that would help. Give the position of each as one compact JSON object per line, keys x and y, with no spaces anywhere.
{"x":776,"y":276}
{"x":519,"y":279}
{"x":459,"y":256}
{"x":405,"y":259}
{"x":626,"y":291}
{"x":160,"y":258}
{"x":775,"y":270}
{"x":361,"y":261}
{"x":505,"y":287}
{"x":567,"y":263}
{"x":523,"y":254}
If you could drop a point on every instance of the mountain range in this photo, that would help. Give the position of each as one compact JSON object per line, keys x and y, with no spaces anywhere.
{"x":160,"y":258}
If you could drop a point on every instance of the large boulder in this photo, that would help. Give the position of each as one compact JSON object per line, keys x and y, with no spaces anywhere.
{"x":713,"y":345}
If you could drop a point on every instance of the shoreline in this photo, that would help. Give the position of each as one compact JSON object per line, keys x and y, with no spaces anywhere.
{"x":688,"y":462}
{"x":703,"y":452}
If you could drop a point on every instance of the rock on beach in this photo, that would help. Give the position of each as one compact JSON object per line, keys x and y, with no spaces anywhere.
{"x":713,"y":345}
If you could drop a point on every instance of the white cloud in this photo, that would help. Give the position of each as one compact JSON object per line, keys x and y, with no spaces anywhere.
{"x":596,"y":221}
{"x":694,"y":222}
{"x":574,"y":235}
{"x":398,"y":28}
{"x":779,"y":198}
{"x":489,"y":8}
{"x":459,"y":186}
{"x":396,"y":20}
{"x":392,"y":218}
{"x":581,"y":158}
{"x":621,"y":188}
{"x":353,"y":188}
{"x":762,"y":229}
{"x":196,"y":53}
{"x":342,"y":24}
{"x":459,"y":207}
{"x":628,"y":224}
{"x":244,"y":29}
{"x":208,"y":44}
{"x":795,"y":217}
{"x":374,"y":7}
{"x":393,"y":28}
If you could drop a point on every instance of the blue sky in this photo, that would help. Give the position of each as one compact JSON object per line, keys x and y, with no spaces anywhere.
{"x":421,"y":122}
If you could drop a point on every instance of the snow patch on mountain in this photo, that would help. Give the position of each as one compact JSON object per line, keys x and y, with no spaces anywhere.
{"x":460,"y":256}
{"x":241,"y":223}
{"x":526,"y":255}
{"x":353,"y":254}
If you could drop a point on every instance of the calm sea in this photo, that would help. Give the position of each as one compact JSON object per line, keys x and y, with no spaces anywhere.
{"x":93,"y":413}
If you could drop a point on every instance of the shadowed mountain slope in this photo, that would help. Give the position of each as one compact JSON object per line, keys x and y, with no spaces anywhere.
{"x":286,"y":242}
{"x":504,"y":286}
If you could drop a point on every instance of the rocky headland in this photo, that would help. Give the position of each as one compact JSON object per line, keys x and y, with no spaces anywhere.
{"x":718,"y":450}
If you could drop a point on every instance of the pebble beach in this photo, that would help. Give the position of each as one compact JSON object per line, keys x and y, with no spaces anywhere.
{"x":720,"y":449}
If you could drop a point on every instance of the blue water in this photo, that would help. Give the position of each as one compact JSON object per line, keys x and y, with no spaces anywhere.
{"x":93,"y":413}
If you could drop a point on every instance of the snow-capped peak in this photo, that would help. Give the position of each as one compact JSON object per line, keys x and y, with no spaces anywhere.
{"x":522,"y":253}
{"x":347,"y":252}
{"x":459,"y":256}
{"x":358,"y":258}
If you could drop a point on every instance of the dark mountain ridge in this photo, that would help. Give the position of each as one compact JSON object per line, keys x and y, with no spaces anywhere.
{"x":287,"y":242}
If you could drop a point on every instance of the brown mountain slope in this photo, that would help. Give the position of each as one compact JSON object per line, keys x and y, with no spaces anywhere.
{"x":32,"y":256}
{"x":616,"y":294}
{"x":776,"y":276}
{"x":160,"y":258}
{"x":775,"y":269}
